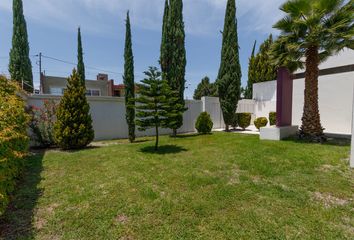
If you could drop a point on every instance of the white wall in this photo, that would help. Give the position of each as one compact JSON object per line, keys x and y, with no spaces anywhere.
{"x":335,"y":101}
{"x":108,"y":115}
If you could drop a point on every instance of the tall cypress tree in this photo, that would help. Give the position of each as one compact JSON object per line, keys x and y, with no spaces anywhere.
{"x":265,"y":69}
{"x":229,"y":77}
{"x":129,"y":81}
{"x":164,"y":51}
{"x":251,"y":74}
{"x":20,"y":66}
{"x":177,"y":65}
{"x":80,"y":58}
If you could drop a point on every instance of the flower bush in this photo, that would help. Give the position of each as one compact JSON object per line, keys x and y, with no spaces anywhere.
{"x":13,"y":138}
{"x":42,"y":123}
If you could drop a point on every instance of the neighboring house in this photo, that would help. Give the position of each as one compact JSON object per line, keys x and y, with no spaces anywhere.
{"x":100,"y":87}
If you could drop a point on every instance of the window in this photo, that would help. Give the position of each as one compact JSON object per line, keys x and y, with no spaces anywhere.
{"x":57,"y":91}
{"x":93,"y":92}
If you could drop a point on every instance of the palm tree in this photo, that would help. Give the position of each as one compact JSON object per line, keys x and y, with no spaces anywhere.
{"x":311,"y":32}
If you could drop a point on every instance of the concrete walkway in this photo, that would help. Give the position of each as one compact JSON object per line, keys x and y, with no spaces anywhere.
{"x":250,"y":130}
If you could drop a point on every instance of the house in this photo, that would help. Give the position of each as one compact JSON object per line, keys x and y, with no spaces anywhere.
{"x":52,"y":85}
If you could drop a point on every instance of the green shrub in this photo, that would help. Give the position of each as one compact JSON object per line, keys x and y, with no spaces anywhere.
{"x":260,"y":122}
{"x":13,"y":138}
{"x":204,"y":124}
{"x":73,"y":128}
{"x":244,"y":120}
{"x":272,"y":118}
{"x":234,"y":122}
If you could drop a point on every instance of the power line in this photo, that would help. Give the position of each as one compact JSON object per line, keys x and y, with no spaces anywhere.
{"x":74,"y":64}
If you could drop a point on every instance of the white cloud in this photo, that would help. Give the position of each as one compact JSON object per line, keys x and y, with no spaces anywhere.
{"x":98,"y":16}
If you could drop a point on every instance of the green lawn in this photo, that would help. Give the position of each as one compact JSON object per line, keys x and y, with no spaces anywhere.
{"x":220,"y":186}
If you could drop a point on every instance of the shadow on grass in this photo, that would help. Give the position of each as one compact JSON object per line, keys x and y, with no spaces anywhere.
{"x":17,"y":222}
{"x":330,"y":141}
{"x":183,"y":136}
{"x":165,"y":149}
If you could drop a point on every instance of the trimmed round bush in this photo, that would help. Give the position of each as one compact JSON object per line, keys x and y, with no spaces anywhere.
{"x":204,"y":124}
{"x":260,"y":122}
{"x":244,"y":120}
{"x":272,"y":118}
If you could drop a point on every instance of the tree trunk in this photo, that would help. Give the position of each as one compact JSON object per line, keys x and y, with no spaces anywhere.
{"x":174,"y":132}
{"x":227,"y":128}
{"x":311,"y":123}
{"x":157,"y":138}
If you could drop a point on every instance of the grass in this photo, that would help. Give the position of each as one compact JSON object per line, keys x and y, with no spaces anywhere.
{"x":220,"y":186}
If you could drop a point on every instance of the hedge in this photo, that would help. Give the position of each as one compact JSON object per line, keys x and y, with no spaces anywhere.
{"x":272,"y":118}
{"x":13,"y":139}
{"x":244,"y":120}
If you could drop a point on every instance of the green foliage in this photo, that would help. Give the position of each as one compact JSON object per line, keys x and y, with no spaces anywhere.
{"x":248,"y":92}
{"x":205,"y":89}
{"x":272,"y":118}
{"x":42,"y":123}
{"x":234,"y":123}
{"x":153,"y":109}
{"x":229,"y":77}
{"x":80,"y":58}
{"x":244,"y":120}
{"x":73,"y":128}
{"x":129,"y":81}
{"x":261,"y":122}
{"x":173,"y":54}
{"x":204,"y":124}
{"x":20,"y":66}
{"x":13,"y":138}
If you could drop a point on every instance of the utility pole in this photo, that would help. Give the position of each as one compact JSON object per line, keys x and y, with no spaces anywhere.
{"x":40,"y":71}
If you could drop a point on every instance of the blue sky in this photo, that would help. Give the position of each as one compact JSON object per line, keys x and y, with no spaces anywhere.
{"x":52,"y":28}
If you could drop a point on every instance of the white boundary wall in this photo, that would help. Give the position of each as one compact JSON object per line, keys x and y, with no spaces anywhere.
{"x":335,"y":96}
{"x":335,"y":101}
{"x":108,"y":115}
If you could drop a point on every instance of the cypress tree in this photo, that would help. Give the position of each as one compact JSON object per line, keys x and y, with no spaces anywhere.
{"x":229,"y":77}
{"x":205,"y":89}
{"x":251,"y":74}
{"x":129,"y":81}
{"x":264,"y":68}
{"x":177,"y":58}
{"x":153,"y":110}
{"x":164,"y":51}
{"x":80,"y":58}
{"x":20,"y":66}
{"x":73,"y":128}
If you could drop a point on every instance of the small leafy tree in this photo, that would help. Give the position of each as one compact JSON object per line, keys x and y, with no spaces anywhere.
{"x":205,"y":89}
{"x":204,"y":124}
{"x":153,"y":103}
{"x":73,"y":128}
